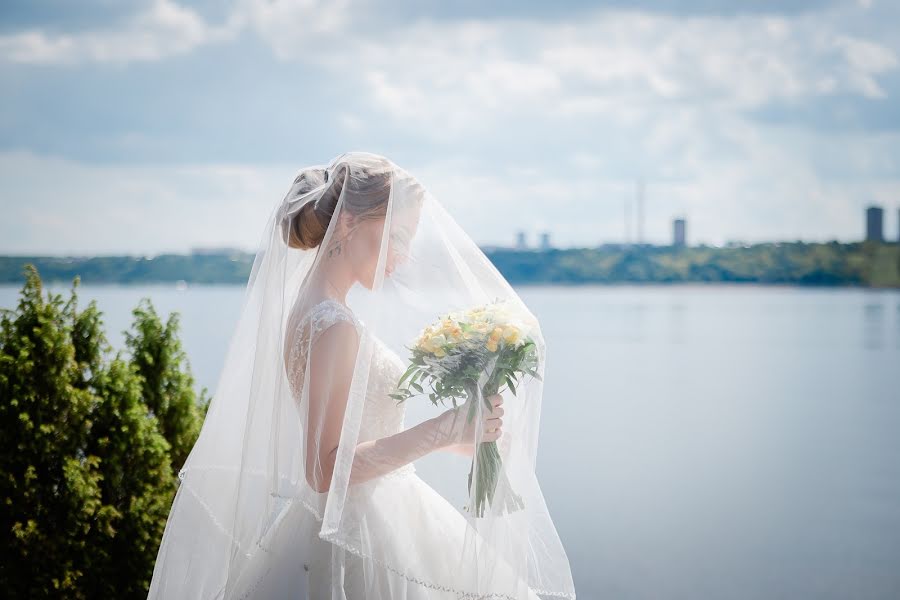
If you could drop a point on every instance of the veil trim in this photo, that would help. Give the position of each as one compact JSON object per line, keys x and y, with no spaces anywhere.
{"x":331,"y":537}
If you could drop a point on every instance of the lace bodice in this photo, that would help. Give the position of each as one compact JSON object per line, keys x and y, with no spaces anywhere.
{"x":382,"y":415}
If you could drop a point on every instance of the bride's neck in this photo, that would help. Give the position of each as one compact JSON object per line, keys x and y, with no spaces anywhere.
{"x":333,"y":282}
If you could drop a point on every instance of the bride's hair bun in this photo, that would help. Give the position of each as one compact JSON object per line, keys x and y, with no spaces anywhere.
{"x":367,"y":195}
{"x":306,"y":228}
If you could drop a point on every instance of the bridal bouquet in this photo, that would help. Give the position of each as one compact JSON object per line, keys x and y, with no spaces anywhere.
{"x":451,"y":355}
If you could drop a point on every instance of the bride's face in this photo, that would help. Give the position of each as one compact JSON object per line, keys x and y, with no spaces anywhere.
{"x":365,"y":244}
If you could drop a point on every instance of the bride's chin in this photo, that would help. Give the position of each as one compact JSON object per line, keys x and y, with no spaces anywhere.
{"x":368,"y":282}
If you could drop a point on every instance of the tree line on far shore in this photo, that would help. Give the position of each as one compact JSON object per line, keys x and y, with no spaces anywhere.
{"x":875,"y":264}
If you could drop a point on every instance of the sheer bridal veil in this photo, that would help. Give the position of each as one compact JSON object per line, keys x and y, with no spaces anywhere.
{"x":308,"y":434}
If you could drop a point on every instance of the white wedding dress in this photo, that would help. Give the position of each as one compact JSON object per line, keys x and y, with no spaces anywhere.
{"x":245,"y":521}
{"x":417,"y":530}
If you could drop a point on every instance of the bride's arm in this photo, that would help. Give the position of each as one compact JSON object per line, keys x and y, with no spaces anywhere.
{"x":464,"y":449}
{"x":332,"y":361}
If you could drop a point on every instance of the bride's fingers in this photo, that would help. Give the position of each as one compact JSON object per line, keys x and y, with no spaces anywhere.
{"x":495,"y":401}
{"x":491,"y":433}
{"x":493,"y":424}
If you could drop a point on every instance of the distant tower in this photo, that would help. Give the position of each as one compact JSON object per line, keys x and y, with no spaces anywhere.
{"x":875,"y":224}
{"x":521,"y":243}
{"x":679,"y":227}
{"x":545,"y":241}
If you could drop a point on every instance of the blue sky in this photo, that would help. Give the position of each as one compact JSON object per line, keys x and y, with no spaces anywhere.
{"x":158,"y":126}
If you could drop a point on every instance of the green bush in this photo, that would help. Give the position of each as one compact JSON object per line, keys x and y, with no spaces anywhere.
{"x":90,"y":445}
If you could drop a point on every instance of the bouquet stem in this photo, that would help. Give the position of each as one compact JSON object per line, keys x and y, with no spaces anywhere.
{"x":487,"y":465}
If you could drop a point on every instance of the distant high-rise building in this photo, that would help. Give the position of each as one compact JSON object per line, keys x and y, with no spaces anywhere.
{"x":898,"y":225}
{"x":679,"y":237}
{"x":521,"y":243}
{"x":545,"y":241}
{"x":875,"y":224}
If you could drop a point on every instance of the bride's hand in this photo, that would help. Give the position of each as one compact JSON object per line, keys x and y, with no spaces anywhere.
{"x":455,"y":430}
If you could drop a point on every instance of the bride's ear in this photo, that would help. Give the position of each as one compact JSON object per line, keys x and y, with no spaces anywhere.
{"x":340,"y":225}
{"x":345,"y":225}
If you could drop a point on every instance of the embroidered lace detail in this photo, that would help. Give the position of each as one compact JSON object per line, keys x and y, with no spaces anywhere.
{"x":382,"y":415}
{"x":319,"y":318}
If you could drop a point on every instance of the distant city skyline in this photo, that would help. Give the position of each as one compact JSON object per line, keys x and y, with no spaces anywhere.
{"x":874,"y":230}
{"x":159,"y":126}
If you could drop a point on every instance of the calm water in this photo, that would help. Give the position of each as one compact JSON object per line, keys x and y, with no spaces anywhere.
{"x":696,"y":442}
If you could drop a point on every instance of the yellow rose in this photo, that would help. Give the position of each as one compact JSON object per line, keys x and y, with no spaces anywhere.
{"x":510,"y":334}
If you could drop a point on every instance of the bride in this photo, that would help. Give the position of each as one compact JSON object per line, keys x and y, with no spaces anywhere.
{"x":307,"y":480}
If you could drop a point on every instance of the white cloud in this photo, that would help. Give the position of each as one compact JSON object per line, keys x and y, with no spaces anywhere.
{"x":451,"y":77}
{"x":164,"y":29}
{"x":606,"y":97}
{"x":459,"y":73}
{"x":53,"y":205}
{"x":771,"y":189}
{"x":864,"y":61}
{"x":308,"y":28}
